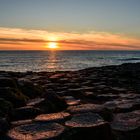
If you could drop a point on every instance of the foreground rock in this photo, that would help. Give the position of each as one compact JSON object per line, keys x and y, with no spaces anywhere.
{"x":21,"y":122}
{"x":4,"y":126}
{"x":87,"y":126}
{"x":7,"y":82}
{"x":123,"y":105}
{"x":54,"y":117}
{"x":70,"y":101}
{"x":51,"y":103}
{"x":6,"y":108}
{"x":37,"y":131}
{"x":126,"y":126}
{"x":94,"y":108}
{"x":27,"y":112}
{"x":13,"y":95}
{"x":29,"y":89}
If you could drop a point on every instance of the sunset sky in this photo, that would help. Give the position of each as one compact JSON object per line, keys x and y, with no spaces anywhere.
{"x":70,"y":24}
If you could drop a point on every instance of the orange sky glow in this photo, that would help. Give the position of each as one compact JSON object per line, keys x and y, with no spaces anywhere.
{"x":27,"y":39}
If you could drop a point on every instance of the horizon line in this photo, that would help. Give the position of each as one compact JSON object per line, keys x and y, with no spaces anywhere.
{"x":73,"y":50}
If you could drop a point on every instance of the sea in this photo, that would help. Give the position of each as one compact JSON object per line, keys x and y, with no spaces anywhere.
{"x":22,"y":61}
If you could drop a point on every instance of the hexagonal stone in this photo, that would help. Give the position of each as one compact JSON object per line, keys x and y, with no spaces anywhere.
{"x":85,"y":120}
{"x":119,"y":89}
{"x":94,"y":108}
{"x":73,"y":102}
{"x":35,"y":101}
{"x":121,"y":105}
{"x":129,"y":95}
{"x":85,"y":108}
{"x":70,"y":100}
{"x":53,"y":117}
{"x":37,"y":131}
{"x":88,"y":126}
{"x":126,"y":126}
{"x":126,"y":121}
{"x":106,"y":97}
{"x":21,"y":122}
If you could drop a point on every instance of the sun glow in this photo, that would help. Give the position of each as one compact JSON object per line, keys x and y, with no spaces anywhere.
{"x":52,"y":45}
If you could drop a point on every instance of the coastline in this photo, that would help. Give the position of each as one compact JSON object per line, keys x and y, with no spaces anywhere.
{"x":102,"y":99}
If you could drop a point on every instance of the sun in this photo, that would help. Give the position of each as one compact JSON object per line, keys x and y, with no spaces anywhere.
{"x":52,"y":45}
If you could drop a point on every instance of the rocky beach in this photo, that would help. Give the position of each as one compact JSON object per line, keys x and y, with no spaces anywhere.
{"x":101,"y":103}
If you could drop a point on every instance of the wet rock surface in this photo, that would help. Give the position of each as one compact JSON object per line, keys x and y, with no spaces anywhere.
{"x":94,"y":103}
{"x":88,"y":126}
{"x":127,"y":125}
{"x":36,"y":131}
{"x":85,"y":108}
{"x":53,"y":117}
{"x":85,"y":120}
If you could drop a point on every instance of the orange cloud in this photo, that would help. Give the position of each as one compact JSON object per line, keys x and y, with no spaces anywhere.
{"x":25,"y":39}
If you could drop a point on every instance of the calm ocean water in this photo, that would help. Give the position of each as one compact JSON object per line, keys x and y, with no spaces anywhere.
{"x":63,"y":60}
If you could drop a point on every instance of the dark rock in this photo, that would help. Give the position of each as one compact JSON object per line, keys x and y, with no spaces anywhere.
{"x":52,"y":103}
{"x":4,"y":125}
{"x":88,"y":94}
{"x":88,"y":126}
{"x":119,"y":89}
{"x":87,"y":88}
{"x":30,"y":89}
{"x":27,"y":112}
{"x":72,"y":85}
{"x":53,"y":117}
{"x":106,"y":97}
{"x":91,"y":96}
{"x":13,"y":95}
{"x":49,"y":104}
{"x":6,"y":108}
{"x":129,"y":96}
{"x":75,"y":91}
{"x":126,"y":126}
{"x":45,"y":105}
{"x":7,"y":82}
{"x":122,"y":105}
{"x":37,"y":131}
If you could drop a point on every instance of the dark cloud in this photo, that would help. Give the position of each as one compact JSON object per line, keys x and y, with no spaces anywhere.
{"x":82,"y":43}
{"x":21,"y":40}
{"x":93,"y":43}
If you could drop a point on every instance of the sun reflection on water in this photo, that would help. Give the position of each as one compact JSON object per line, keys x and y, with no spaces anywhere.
{"x":52,"y":61}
